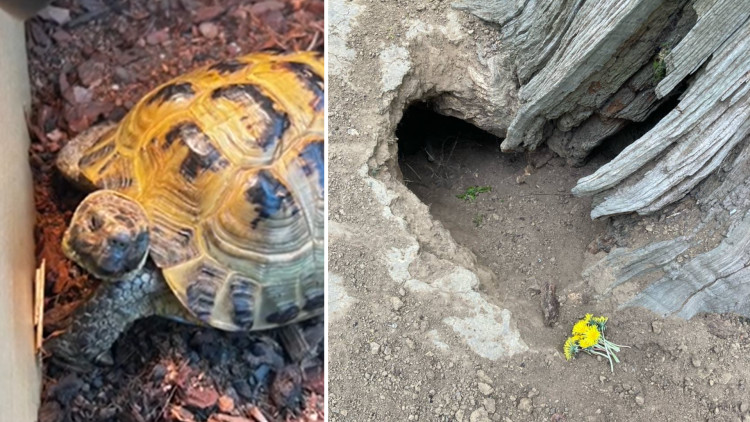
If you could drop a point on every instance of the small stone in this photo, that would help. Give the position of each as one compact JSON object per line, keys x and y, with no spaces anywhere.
{"x":744,"y":406}
{"x":396,"y":303}
{"x":575,"y":298}
{"x":58,"y":15}
{"x":533,"y":393}
{"x":460,"y":415}
{"x":602,"y":378}
{"x":656,"y":327}
{"x":489,"y":405}
{"x":208,"y":29}
{"x":479,"y":415}
{"x":526,"y":405}
{"x":640,"y":400}
{"x":401,"y":292}
{"x":158,"y":37}
{"x":374,"y":348}
{"x":82,"y":95}
{"x":409,"y":343}
{"x":649,"y":228}
{"x":484,"y":377}
{"x":123,"y":75}
{"x":725,"y":378}
{"x":696,"y":362}
{"x":485,"y":389}
{"x":226,"y":404}
{"x":90,"y":72}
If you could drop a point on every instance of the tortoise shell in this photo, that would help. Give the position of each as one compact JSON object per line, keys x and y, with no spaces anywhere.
{"x":228,"y":162}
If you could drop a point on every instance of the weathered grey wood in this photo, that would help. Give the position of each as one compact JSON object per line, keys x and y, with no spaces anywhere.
{"x":718,"y":20}
{"x":587,"y":68}
{"x":710,"y":120}
{"x":715,"y":281}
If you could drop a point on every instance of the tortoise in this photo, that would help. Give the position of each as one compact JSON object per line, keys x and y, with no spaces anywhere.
{"x":207,"y":204}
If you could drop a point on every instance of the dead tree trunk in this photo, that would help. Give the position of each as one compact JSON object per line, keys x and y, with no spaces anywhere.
{"x":587,"y":69}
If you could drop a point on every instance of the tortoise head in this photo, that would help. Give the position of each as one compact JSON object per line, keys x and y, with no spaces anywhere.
{"x":108,"y":235}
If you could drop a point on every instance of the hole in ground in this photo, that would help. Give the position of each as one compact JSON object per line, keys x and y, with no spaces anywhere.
{"x":523,"y":223}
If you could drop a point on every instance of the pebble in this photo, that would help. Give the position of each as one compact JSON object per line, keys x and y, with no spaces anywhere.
{"x":526,"y":405}
{"x":208,"y":29}
{"x":59,"y":15}
{"x":158,"y":37}
{"x":640,"y":400}
{"x":396,"y":303}
{"x":483,"y":376}
{"x":81,"y":94}
{"x":656,"y":327}
{"x":725,"y":378}
{"x":489,"y":405}
{"x":409,"y":343}
{"x":479,"y":415}
{"x":226,"y":404}
{"x":744,"y":406}
{"x":696,"y":362}
{"x":486,"y":389}
{"x":374,"y":348}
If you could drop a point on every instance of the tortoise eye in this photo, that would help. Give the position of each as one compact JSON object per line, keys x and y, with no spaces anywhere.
{"x":95,"y":222}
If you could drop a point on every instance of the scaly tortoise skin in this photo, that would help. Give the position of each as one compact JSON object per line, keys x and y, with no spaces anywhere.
{"x":218,"y":177}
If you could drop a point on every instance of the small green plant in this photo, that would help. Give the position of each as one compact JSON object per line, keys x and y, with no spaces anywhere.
{"x":478,"y":220}
{"x":471,"y":192}
{"x":660,"y":65}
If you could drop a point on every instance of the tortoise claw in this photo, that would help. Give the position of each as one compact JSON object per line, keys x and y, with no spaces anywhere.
{"x":66,"y":354}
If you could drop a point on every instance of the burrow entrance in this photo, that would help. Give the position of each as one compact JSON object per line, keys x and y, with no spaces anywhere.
{"x":514,"y":211}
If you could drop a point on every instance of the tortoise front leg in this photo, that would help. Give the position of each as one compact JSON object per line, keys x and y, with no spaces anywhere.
{"x":69,"y":157}
{"x":99,"y":322}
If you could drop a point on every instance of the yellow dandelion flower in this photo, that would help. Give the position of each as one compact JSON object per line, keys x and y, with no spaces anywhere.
{"x":590,"y":337}
{"x":600,"y":320}
{"x":571,"y":347}
{"x":582,"y":325}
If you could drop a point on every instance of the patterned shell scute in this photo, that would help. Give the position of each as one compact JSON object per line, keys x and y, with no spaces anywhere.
{"x":228,"y":162}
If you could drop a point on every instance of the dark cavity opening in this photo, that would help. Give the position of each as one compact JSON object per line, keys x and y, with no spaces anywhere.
{"x":514,"y":211}
{"x":613,"y":145}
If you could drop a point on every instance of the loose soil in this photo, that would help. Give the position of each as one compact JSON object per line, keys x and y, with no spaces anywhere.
{"x":90,"y":61}
{"x":528,"y":231}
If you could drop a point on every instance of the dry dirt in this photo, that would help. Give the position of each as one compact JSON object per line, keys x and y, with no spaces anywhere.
{"x":391,"y":355}
{"x":89,"y":61}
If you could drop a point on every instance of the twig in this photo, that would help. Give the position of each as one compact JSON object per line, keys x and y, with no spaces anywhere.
{"x":39,"y":282}
{"x":313,"y":42}
{"x":257,"y":414}
{"x":412,"y":169}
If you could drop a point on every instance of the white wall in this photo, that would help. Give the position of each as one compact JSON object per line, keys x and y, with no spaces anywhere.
{"x":19,"y":375}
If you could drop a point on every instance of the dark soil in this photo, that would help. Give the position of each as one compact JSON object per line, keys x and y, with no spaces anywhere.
{"x":90,"y":61}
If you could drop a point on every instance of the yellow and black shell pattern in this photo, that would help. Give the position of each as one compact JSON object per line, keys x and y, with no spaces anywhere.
{"x":228,"y":162}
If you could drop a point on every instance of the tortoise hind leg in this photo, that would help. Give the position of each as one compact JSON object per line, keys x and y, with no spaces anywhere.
{"x":99,"y":322}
